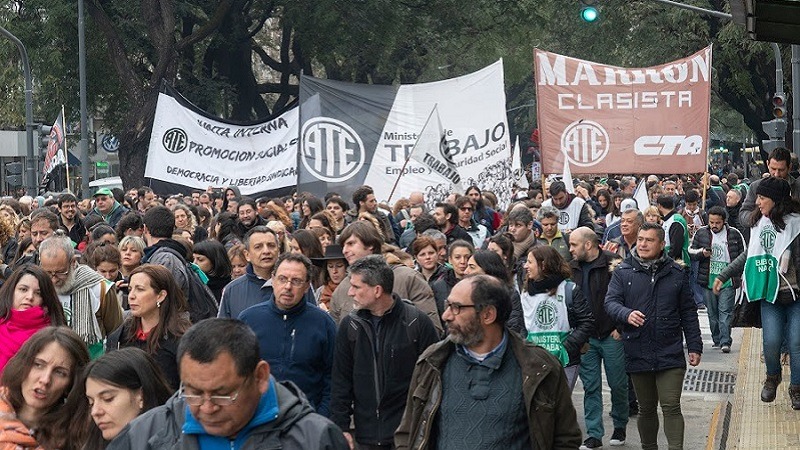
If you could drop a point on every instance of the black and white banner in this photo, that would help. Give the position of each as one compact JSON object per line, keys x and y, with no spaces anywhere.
{"x":354,"y":134}
{"x":190,"y":148}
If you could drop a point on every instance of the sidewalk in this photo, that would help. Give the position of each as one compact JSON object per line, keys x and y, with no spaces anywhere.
{"x":755,"y":424}
{"x":705,"y":387}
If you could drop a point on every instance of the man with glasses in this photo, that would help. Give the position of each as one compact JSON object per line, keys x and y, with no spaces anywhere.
{"x":476,"y":231}
{"x":69,"y":219}
{"x":485,"y":387}
{"x":376,"y":349}
{"x":228,"y":399}
{"x":89,"y":300}
{"x":295,"y":338}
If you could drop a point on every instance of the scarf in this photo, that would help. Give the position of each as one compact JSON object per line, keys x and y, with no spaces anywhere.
{"x":651,"y":265}
{"x":548,"y":283}
{"x":327,"y":291}
{"x":521,"y":247}
{"x":20,"y":326}
{"x":82,"y":316}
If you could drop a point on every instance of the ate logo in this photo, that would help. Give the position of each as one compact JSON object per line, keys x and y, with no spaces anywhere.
{"x":585,"y":143}
{"x":331,"y":150}
{"x":175,"y":140}
{"x":545,"y":317}
{"x":716,"y":253}
{"x":563,"y":218}
{"x":767,"y":238}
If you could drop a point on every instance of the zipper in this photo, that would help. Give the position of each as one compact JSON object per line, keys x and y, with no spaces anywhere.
{"x":291,"y":354}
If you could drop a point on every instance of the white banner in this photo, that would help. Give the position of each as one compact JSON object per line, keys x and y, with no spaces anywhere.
{"x":190,"y":149}
{"x":472,"y":109}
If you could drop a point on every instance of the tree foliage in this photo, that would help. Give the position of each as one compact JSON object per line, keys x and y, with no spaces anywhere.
{"x":242,"y":59}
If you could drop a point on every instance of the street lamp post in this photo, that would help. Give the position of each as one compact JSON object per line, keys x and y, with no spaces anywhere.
{"x":26,"y":68}
{"x":84,"y":143}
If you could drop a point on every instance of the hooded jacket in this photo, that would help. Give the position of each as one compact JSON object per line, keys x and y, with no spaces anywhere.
{"x":663,"y":293}
{"x":552,"y":421}
{"x":296,"y":427}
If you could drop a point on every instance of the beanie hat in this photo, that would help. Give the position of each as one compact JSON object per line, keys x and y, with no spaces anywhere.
{"x":776,"y":189}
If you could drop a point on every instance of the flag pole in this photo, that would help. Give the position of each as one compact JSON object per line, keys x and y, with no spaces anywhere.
{"x":66,"y":148}
{"x":408,"y":158}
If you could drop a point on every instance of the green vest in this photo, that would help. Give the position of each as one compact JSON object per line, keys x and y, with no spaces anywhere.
{"x":667,"y":225}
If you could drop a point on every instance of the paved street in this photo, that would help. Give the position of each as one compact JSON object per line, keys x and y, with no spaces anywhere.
{"x":698,"y":404}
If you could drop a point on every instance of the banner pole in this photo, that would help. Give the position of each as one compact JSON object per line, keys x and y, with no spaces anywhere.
{"x":544,"y":189}
{"x":408,"y":158}
{"x":66,"y":149}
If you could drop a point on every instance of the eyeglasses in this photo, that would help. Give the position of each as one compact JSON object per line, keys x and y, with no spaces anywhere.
{"x":456,"y":307}
{"x":281,"y":280}
{"x":218,"y":400}
{"x":59,"y":275}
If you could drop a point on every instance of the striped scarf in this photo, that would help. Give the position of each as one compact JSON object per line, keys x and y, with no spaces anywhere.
{"x":83,"y":320}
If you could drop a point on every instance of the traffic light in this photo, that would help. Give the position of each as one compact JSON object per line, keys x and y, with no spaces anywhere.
{"x":779,"y":105}
{"x":44,"y":138}
{"x":589,"y":11}
{"x":14,"y":174}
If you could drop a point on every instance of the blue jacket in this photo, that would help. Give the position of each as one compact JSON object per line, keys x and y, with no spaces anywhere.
{"x":298,"y":344}
{"x":249,"y":290}
{"x":665,"y":298}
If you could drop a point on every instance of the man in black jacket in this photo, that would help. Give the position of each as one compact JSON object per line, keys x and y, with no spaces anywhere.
{"x":715,"y":246}
{"x":591,"y":272}
{"x":377,"y":346}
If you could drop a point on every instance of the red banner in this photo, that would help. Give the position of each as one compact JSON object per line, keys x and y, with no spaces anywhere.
{"x":607,"y":119}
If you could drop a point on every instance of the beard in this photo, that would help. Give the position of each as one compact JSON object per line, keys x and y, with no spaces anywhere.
{"x":66,"y":287}
{"x":469,"y":335}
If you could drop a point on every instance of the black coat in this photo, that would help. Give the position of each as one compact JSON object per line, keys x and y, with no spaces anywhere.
{"x":372,"y":384}
{"x":599,"y":276}
{"x":165,"y":357}
{"x":665,"y":298}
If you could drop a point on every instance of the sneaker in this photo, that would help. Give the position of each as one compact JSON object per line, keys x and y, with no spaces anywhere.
{"x":794,"y":395}
{"x":726,"y":349}
{"x":618,"y":438}
{"x":714,"y":345}
{"x":590,"y":443}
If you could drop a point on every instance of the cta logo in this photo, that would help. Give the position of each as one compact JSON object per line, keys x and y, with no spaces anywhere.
{"x":668,"y":145}
{"x":584,"y":143}
{"x":175,"y":140}
{"x":331,"y":149}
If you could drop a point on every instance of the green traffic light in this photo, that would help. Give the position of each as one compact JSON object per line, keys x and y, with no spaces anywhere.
{"x":589,"y":14}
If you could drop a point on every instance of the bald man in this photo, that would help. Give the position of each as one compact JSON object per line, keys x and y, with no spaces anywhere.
{"x":591,"y":271}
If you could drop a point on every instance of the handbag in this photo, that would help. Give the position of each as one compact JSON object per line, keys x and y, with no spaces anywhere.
{"x":746,"y":314}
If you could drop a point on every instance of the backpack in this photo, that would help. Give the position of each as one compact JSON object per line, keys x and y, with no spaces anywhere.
{"x":201,"y":301}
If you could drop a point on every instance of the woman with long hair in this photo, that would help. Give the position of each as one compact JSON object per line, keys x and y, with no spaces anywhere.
{"x":112,"y":391}
{"x":503,"y":245}
{"x":310,"y":206}
{"x":158,"y":318}
{"x":224,"y":229}
{"x":35,"y":383}
{"x":238,"y":261}
{"x":28,"y":303}
{"x":549,"y":289}
{"x":333,"y":266}
{"x":770,"y":269}
{"x":487,"y":262}
{"x":305,"y":242}
{"x":210,"y":256}
{"x":185,"y":219}
{"x":458,"y":254}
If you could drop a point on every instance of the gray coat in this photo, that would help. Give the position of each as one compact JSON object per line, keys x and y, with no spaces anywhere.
{"x":297,"y":427}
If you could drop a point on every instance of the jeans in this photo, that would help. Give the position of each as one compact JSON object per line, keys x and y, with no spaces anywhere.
{"x":611,"y":354}
{"x":697,"y":290}
{"x":662,"y":387}
{"x":781,"y":322}
{"x":720,"y":314}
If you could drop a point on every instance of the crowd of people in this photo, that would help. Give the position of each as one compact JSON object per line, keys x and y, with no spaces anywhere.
{"x":216,"y":320}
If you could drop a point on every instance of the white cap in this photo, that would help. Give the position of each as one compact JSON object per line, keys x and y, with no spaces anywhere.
{"x":627,"y":204}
